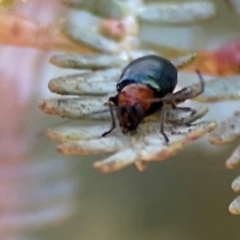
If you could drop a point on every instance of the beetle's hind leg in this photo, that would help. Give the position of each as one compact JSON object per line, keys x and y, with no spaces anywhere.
{"x":187,"y":92}
{"x":194,"y":92}
{"x":187,"y":109}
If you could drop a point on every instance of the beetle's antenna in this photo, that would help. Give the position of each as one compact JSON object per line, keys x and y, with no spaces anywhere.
{"x":102,"y":110}
{"x":98,"y":112}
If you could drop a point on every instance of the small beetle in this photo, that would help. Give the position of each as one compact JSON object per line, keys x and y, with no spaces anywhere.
{"x":145,"y":86}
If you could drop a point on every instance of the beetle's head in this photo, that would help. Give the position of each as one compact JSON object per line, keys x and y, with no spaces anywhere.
{"x":131,"y":107}
{"x":130,"y":116}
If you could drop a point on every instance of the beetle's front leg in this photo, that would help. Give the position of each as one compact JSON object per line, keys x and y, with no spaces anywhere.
{"x":162,"y":118}
{"x":113,"y":125}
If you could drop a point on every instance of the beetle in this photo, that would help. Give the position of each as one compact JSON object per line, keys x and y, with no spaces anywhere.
{"x":145,"y":86}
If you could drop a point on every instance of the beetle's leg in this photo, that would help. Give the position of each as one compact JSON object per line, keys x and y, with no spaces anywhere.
{"x":187,"y":109}
{"x":187,"y":92}
{"x":195,"y":91}
{"x":162,"y":116}
{"x":192,"y":92}
{"x":113,"y":125}
{"x":202,"y":85}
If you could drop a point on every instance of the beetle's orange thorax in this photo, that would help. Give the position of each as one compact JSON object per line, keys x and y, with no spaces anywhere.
{"x":133,"y":94}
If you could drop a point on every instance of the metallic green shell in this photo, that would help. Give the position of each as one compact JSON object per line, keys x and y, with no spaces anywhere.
{"x":152,"y":70}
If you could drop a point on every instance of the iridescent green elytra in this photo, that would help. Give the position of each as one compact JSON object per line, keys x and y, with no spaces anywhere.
{"x":152,"y":70}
